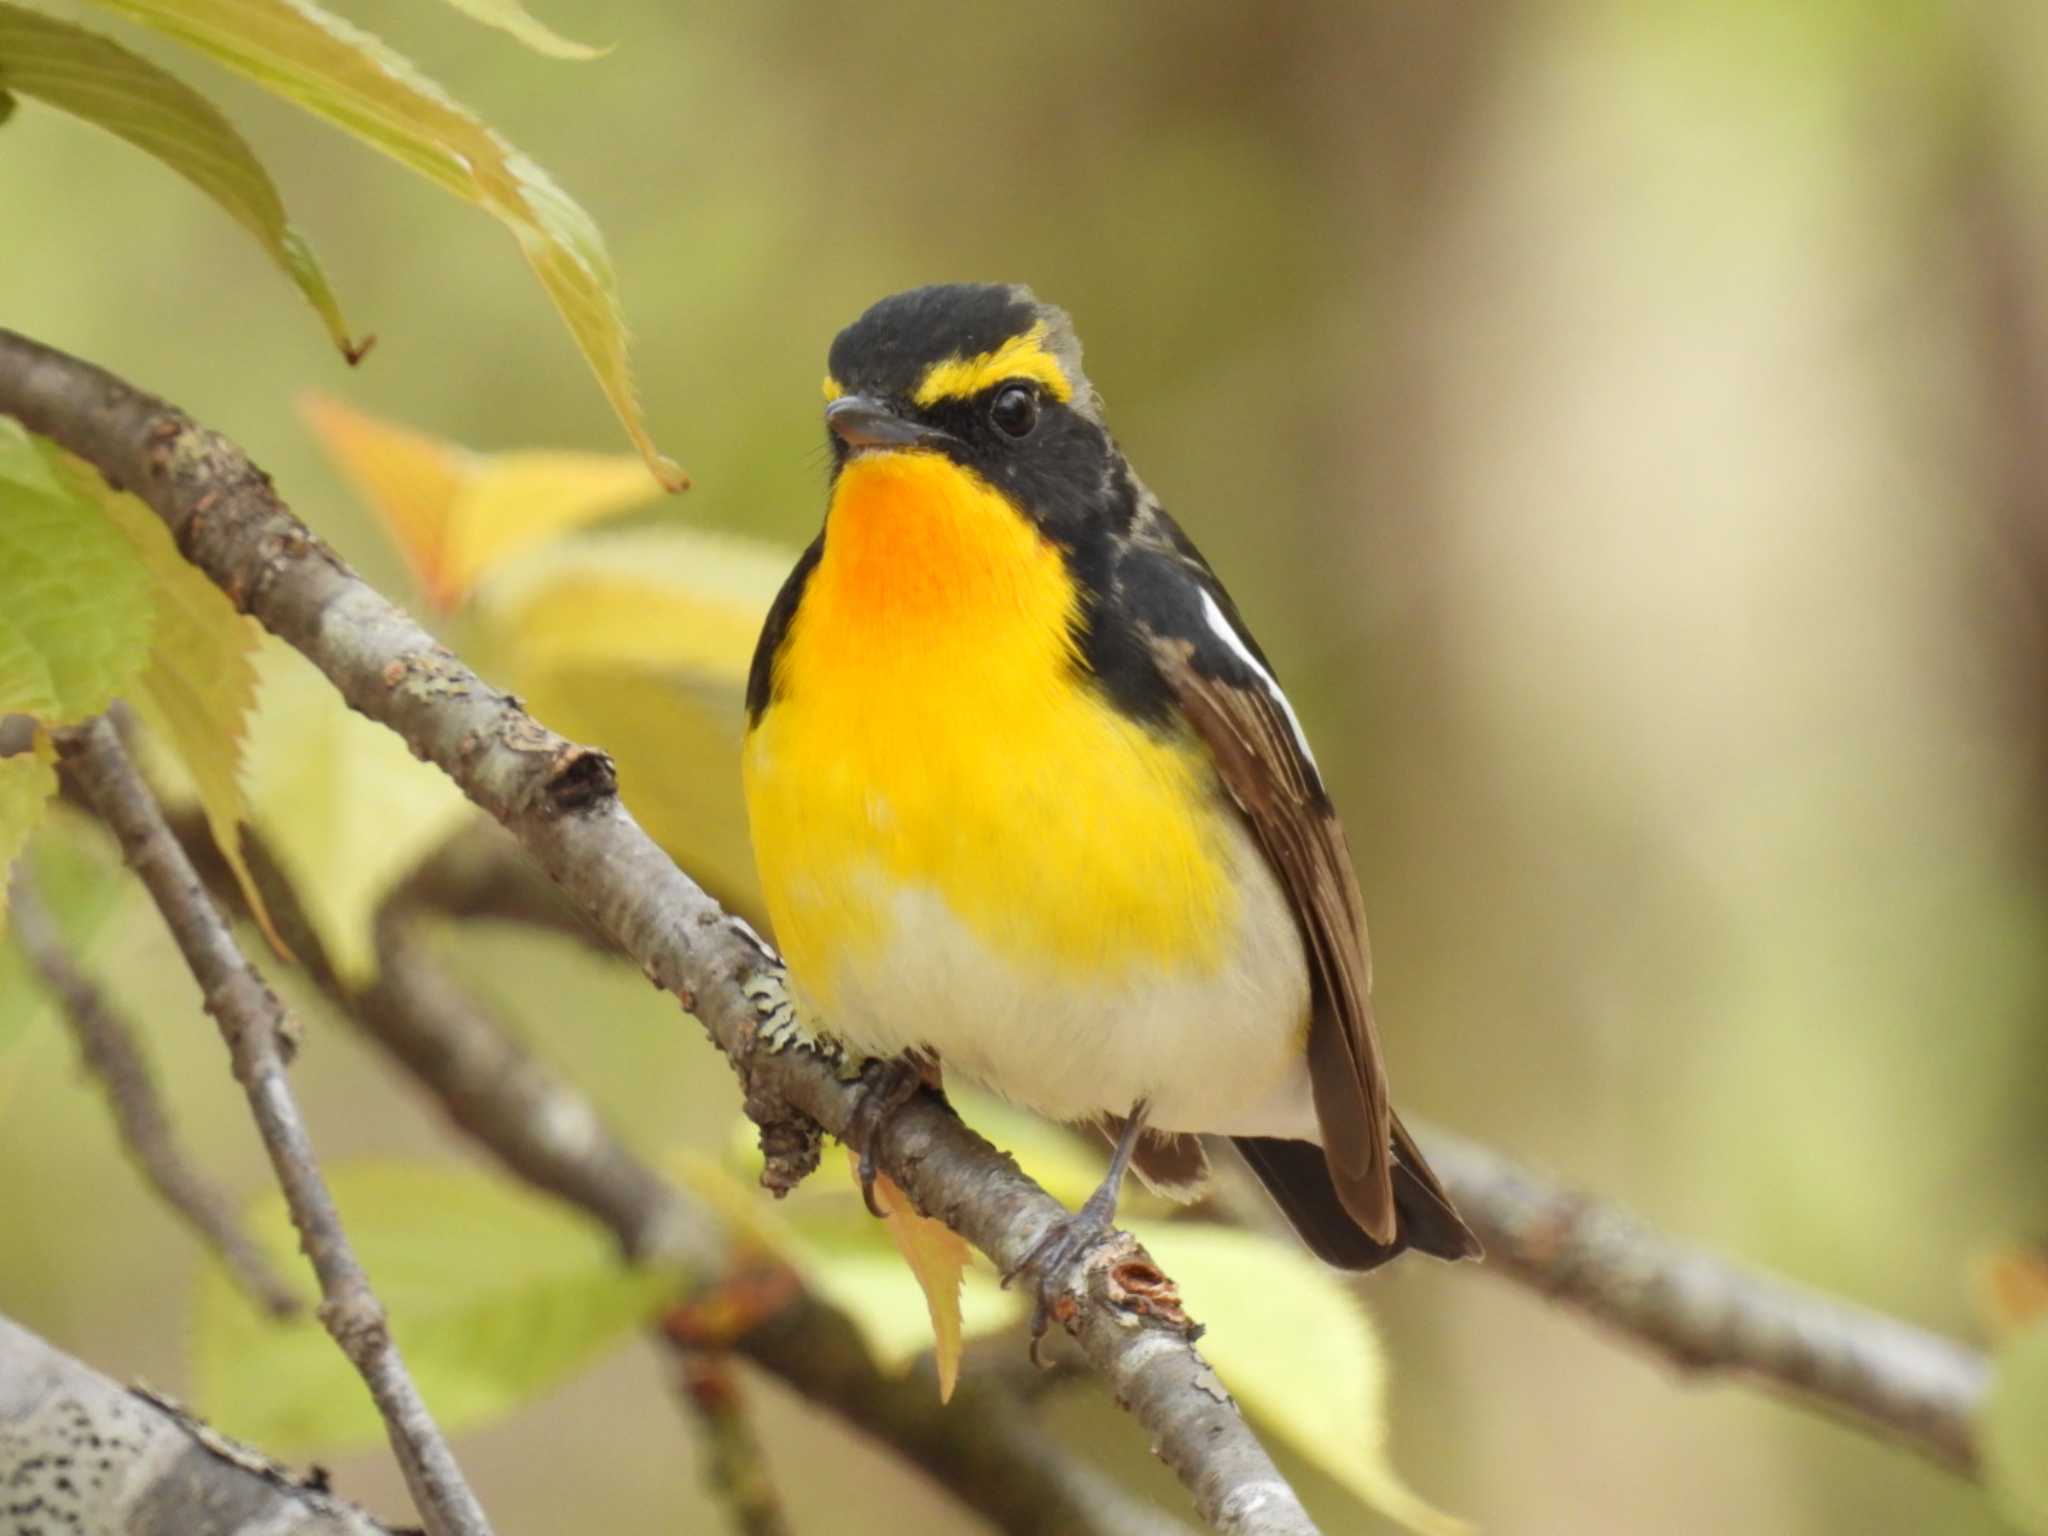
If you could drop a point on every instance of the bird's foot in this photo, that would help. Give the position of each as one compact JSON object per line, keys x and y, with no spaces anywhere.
{"x":887,"y":1084}
{"x":1065,"y":1244}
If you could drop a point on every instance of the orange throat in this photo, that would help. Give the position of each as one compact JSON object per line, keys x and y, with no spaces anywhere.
{"x":919,"y":550}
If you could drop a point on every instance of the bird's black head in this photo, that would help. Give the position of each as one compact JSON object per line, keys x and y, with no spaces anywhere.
{"x":986,"y":375}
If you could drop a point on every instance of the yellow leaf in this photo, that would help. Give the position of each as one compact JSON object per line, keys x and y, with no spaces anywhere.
{"x":456,"y":514}
{"x":938,"y":1256}
{"x":316,"y":60}
{"x":677,"y":599}
{"x":2012,"y":1286}
{"x":104,"y":84}
{"x":510,"y":16}
{"x":1295,"y":1348}
{"x":641,"y":640}
{"x":827,"y":1236}
{"x":522,"y":499}
{"x":345,"y":807}
{"x":409,"y":479}
{"x":200,"y":684}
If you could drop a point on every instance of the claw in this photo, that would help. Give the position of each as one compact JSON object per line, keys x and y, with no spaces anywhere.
{"x":887,"y":1085}
{"x":1072,"y":1238}
{"x":1065,"y":1244}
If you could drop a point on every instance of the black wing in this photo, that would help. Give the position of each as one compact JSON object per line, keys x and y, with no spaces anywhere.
{"x":775,"y":629}
{"x":1199,"y":654}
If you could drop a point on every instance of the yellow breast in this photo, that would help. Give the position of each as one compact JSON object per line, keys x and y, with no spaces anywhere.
{"x":928,"y":736}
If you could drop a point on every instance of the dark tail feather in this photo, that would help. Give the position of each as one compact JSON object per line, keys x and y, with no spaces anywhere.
{"x":1298,"y":1178}
{"x":1429,"y":1221}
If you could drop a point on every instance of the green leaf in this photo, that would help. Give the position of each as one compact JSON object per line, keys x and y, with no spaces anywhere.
{"x":2016,"y":1429}
{"x":72,"y":590}
{"x":1295,"y":1348}
{"x":26,"y":687}
{"x":510,"y":16}
{"x":200,"y":685}
{"x":28,"y":780}
{"x":199,"y":682}
{"x":23,"y":461}
{"x":103,"y":83}
{"x":495,"y":1296}
{"x":322,"y":63}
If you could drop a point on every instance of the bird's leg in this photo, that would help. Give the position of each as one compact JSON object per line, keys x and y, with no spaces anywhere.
{"x":887,"y":1084}
{"x":1067,"y":1239}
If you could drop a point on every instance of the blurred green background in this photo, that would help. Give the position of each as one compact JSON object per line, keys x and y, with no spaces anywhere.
{"x":1627,"y":429}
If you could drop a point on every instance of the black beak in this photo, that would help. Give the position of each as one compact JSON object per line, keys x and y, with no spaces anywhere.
{"x":862,"y":421}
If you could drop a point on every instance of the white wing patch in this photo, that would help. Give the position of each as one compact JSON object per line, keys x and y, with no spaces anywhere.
{"x":1228,"y":634}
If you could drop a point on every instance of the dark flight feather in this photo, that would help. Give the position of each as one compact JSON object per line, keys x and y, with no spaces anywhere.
{"x":1225,"y":691}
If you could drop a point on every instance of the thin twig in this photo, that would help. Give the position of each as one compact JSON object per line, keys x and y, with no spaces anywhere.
{"x":736,"y":1463}
{"x":1704,"y":1314}
{"x":79,"y":1452}
{"x":256,"y":1029}
{"x":560,"y":800}
{"x":111,"y":1054}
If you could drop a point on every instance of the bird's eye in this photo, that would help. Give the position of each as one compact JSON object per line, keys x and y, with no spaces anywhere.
{"x":1014,"y":410}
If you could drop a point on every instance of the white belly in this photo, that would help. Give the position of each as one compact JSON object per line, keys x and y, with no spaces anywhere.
{"x":1220,"y":1051}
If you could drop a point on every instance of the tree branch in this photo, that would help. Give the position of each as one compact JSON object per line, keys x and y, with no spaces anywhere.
{"x":110,"y":1053}
{"x":79,"y":1452}
{"x":1704,"y":1314}
{"x":253,"y":1023}
{"x":560,"y":800}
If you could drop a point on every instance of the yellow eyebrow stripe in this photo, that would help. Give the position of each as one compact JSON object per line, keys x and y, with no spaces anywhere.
{"x":1021,"y":357}
{"x":833,"y":388}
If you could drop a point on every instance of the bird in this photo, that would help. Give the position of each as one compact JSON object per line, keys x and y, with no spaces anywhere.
{"x":1030,"y":808}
